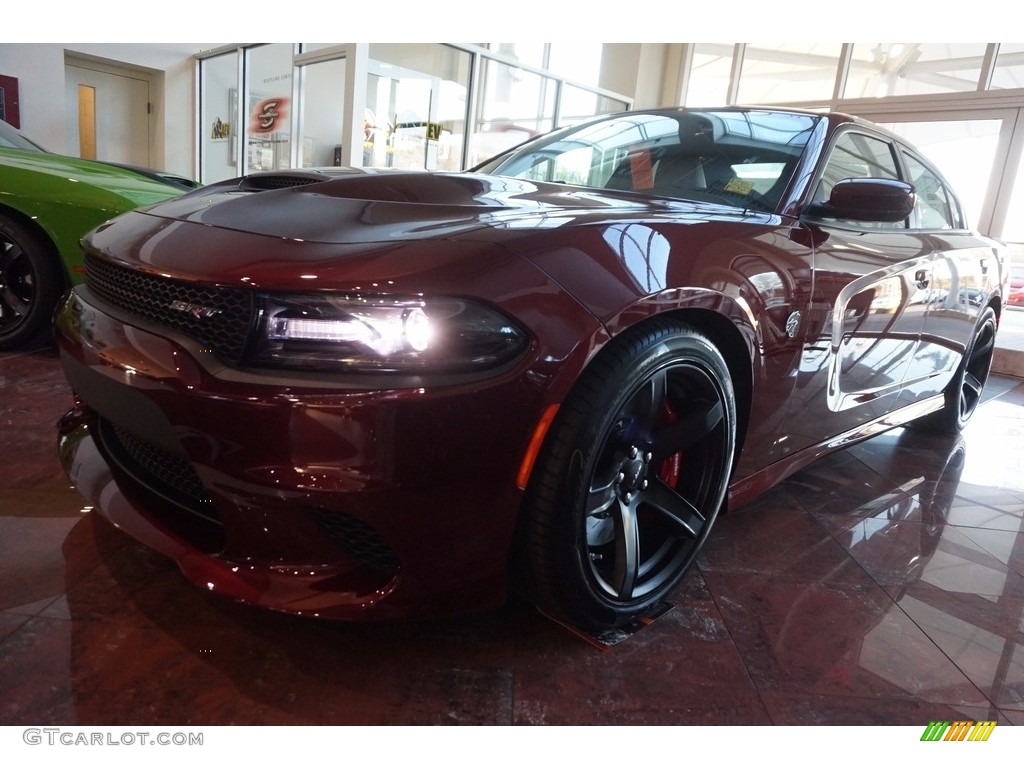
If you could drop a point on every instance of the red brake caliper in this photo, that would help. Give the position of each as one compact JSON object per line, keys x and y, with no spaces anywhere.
{"x":670,"y":468}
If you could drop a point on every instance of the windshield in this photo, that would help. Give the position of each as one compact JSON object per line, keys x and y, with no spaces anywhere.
{"x":12,"y":138}
{"x":742,"y":158}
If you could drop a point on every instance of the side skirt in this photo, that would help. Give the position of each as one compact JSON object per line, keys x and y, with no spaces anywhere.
{"x":748,"y":488}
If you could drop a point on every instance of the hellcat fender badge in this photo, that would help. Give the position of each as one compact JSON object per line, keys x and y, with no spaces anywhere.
{"x":792,"y":324}
{"x":197,"y":311}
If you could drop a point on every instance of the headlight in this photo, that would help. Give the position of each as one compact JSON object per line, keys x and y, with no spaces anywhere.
{"x":383,"y":334}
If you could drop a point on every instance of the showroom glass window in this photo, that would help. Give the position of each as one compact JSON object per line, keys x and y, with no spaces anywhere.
{"x":1013,"y":230}
{"x":516,"y":105}
{"x":322,"y":113}
{"x":1009,"y":69}
{"x":529,"y":54}
{"x":268,"y":106}
{"x":710,"y":70}
{"x":788,"y":72}
{"x":900,"y":69}
{"x":219,"y":129}
{"x":416,"y":100}
{"x":434,"y":106}
{"x":576,"y":61}
{"x":579,"y":104}
{"x":580,"y":62}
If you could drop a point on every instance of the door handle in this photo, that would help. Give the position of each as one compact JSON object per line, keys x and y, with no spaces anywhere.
{"x":921,"y":279}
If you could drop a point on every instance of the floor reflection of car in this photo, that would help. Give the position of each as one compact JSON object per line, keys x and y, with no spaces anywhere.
{"x":920,"y":504}
{"x":373,"y":394}
{"x":894,"y":536}
{"x":47,"y":202}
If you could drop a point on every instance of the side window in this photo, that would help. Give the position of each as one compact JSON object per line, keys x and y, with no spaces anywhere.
{"x":935,"y":208}
{"x":858,"y":156}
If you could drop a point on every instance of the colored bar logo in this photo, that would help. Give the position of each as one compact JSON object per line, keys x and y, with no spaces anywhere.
{"x":958,"y":730}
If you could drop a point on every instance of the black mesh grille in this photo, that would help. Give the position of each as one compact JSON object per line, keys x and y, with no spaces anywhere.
{"x":276,"y":181}
{"x":357,"y":539}
{"x":164,"y":473}
{"x":215,"y":316}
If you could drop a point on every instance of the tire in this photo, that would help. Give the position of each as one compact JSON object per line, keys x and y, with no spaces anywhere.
{"x":30,"y":284}
{"x":963,"y":393}
{"x":631,"y":477}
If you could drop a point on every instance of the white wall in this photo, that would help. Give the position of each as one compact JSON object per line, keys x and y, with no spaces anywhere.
{"x":40,"y":73}
{"x":39,"y":68}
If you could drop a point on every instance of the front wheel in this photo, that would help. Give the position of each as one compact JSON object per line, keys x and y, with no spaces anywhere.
{"x":30,"y":284}
{"x":632,"y":476}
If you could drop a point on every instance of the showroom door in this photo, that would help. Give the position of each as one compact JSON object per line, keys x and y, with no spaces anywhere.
{"x":107,"y":115}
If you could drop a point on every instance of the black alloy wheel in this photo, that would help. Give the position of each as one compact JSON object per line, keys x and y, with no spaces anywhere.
{"x":30,"y":284}
{"x":963,"y":394}
{"x":976,"y":367}
{"x":632,"y":476}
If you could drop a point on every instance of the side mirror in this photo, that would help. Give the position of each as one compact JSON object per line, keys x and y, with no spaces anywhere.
{"x":878,"y":200}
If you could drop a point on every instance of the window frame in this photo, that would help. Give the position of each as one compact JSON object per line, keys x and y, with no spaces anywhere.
{"x":811,"y":196}
{"x":959,"y":223}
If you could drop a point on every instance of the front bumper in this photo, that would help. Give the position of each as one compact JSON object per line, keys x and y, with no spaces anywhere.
{"x":338,"y":502}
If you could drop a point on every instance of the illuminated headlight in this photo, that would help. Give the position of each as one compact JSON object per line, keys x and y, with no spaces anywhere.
{"x":385,"y":330}
{"x":384,"y":333}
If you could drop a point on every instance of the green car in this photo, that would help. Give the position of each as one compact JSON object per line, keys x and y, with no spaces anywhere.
{"x":47,"y":203}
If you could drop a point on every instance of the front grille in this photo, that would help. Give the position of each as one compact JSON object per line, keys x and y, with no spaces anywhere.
{"x":170,"y":476}
{"x":217,"y":317}
{"x":357,"y":539}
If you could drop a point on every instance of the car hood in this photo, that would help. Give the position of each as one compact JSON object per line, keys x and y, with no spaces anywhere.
{"x":120,"y":181}
{"x":358,"y":206}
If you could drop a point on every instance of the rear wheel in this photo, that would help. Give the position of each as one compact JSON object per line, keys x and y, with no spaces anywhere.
{"x":30,"y":284}
{"x":632,"y":476}
{"x":963,"y":394}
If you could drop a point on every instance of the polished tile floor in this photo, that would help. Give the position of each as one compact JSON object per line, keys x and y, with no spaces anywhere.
{"x":883,"y":585}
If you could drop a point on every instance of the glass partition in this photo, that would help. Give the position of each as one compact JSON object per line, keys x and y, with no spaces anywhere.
{"x":322,"y":113}
{"x":421,"y":105}
{"x":268,"y":99}
{"x":416,"y":98}
{"x":530,"y":54}
{"x":579,"y":104}
{"x":576,"y":61}
{"x":218,"y":123}
{"x":516,"y":105}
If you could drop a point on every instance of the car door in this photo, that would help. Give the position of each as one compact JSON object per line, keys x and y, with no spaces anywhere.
{"x":870,"y":297}
{"x":961,"y":275}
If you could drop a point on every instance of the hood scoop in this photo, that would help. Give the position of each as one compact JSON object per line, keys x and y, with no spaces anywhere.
{"x":282,"y":180}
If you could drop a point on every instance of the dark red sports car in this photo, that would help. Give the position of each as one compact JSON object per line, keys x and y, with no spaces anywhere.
{"x":374,"y":394}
